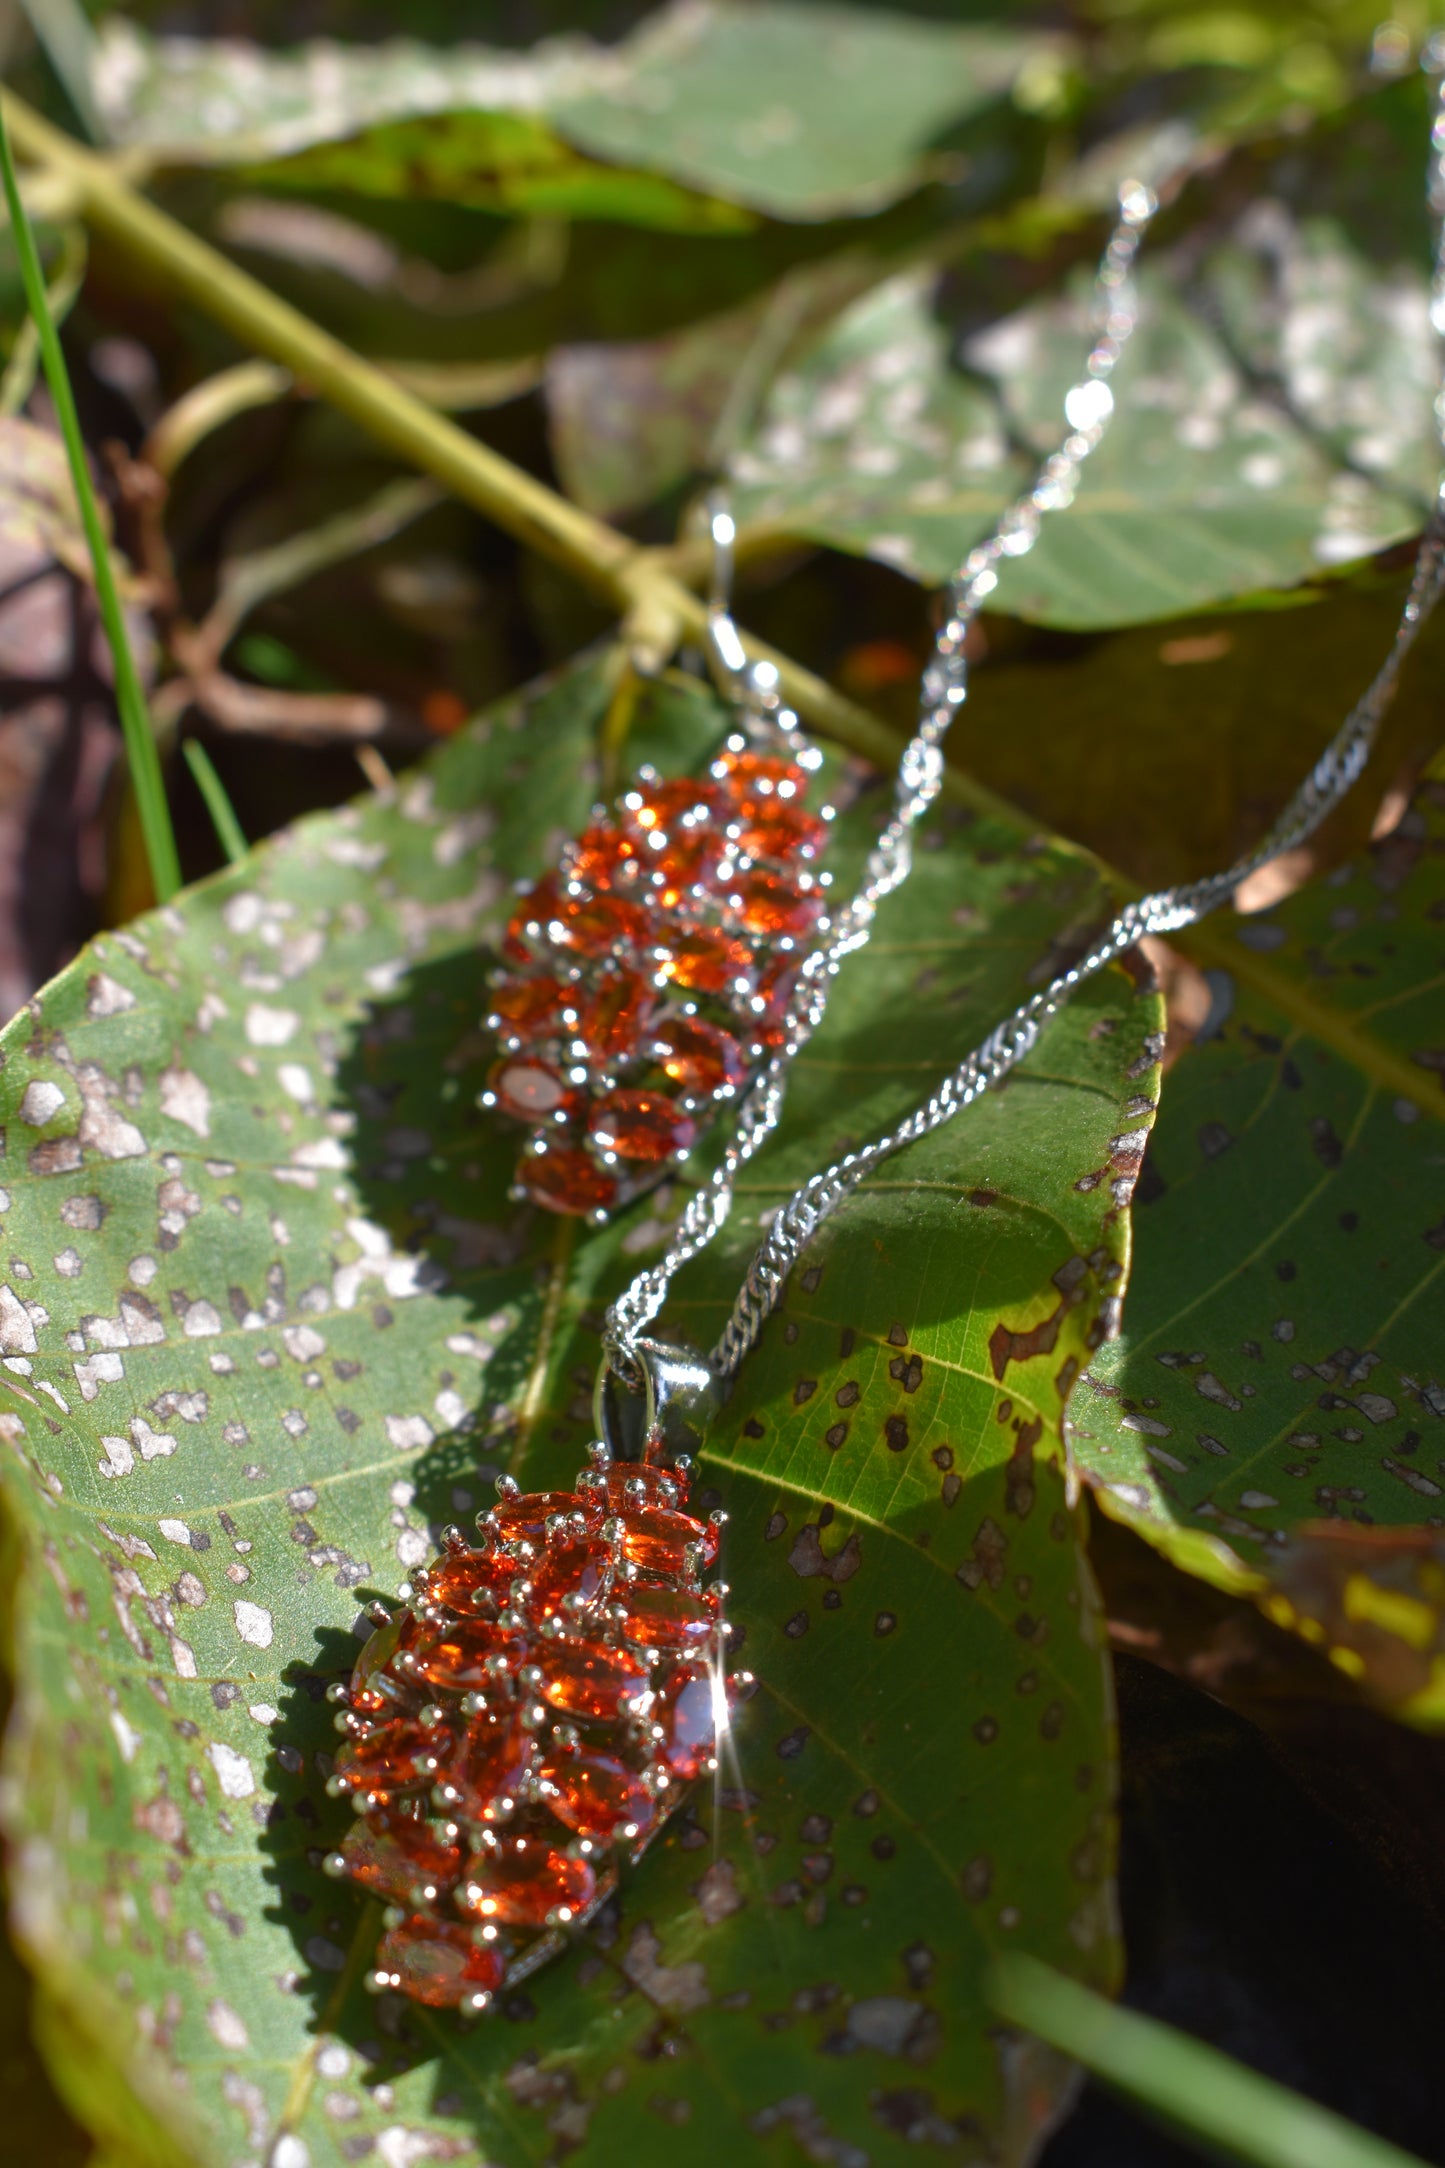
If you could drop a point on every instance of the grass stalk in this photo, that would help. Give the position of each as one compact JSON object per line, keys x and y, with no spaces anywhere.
{"x":1195,"y":2088}
{"x":140,"y":744}
{"x":229,"y":832}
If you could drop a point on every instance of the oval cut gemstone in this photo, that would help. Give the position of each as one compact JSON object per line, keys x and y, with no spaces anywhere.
{"x":369,"y":1693}
{"x":703,"y":960}
{"x":529,"y":1008}
{"x":686,"y":863}
{"x":685,"y":1712}
{"x":488,"y":1767}
{"x":526,"y":1882}
{"x":437,"y":1962}
{"x":669,"y":1618}
{"x":769,"y":904}
{"x":393,"y":1759}
{"x":602,"y":857}
{"x":781,"y":828}
{"x":528,"y":924}
{"x":466,"y":1579}
{"x":573,"y":1569}
{"x":595,"y":925}
{"x":775,"y":992}
{"x":401,"y":1861}
{"x":682,"y":802}
{"x":631,"y":1483}
{"x":457,"y":1657}
{"x":526,"y":1516}
{"x":641,"y":1125}
{"x":585,"y":1681}
{"x":528,"y":1089}
{"x":598,"y":1796}
{"x":566,"y":1179}
{"x":758,"y":781}
{"x":657,"y":1540}
{"x":699,"y":1056}
{"x":613,"y":1019}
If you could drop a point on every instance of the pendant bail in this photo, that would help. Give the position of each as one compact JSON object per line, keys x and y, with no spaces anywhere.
{"x":664,"y":1415}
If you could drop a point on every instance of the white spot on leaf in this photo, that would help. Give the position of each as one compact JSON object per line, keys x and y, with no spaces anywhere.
{"x":186,"y":1099}
{"x":17,"y":1334}
{"x":106,"y":997}
{"x":408,"y":1433}
{"x":41,"y":1103}
{"x":253,"y":1624}
{"x":227,"y":2027}
{"x":270,"y":1027}
{"x":233,"y":1772}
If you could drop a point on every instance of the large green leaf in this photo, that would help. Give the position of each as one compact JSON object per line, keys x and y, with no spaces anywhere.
{"x":1273,"y":1416}
{"x":269,"y":1318}
{"x":669,"y":128}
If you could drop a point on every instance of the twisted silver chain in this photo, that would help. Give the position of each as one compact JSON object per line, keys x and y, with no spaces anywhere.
{"x":1087,"y":407}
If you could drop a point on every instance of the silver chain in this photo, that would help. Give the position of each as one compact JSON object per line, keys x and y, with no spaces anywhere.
{"x":1087,"y":407}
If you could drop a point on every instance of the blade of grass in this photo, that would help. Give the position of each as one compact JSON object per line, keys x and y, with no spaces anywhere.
{"x":140,"y":744}
{"x":1188,"y":2085}
{"x":229,"y":833}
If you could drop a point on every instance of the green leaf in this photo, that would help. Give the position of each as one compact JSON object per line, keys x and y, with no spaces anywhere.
{"x":666,"y":129}
{"x":270,"y":1317}
{"x":1273,"y":1416}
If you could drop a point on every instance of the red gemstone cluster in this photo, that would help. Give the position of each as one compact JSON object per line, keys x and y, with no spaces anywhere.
{"x":532,"y":1718}
{"x":650,"y":974}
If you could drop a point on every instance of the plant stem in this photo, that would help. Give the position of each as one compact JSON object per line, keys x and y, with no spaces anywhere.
{"x":229,"y":832}
{"x":140,"y":744}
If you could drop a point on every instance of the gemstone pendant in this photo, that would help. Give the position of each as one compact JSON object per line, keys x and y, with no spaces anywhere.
{"x":641,"y":988}
{"x":531,"y":1720}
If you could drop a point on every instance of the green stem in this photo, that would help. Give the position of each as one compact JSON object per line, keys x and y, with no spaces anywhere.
{"x":140,"y":742}
{"x":229,"y":832}
{"x":1189,"y":2085}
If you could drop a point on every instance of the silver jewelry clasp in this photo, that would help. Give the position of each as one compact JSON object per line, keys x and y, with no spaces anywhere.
{"x":666,"y":1415}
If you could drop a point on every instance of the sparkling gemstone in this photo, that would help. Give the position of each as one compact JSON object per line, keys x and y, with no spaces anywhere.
{"x":523,"y":1881}
{"x":465,"y":1579}
{"x":457,"y":1657}
{"x":597,"y":925}
{"x":641,"y":1125}
{"x":769,"y":904}
{"x":669,"y":1618}
{"x":393,"y":1759}
{"x":566,"y":1179}
{"x":438,"y":1963}
{"x":656,"y":1539}
{"x":616,"y":1014}
{"x":369,"y":1686}
{"x":602,"y":856}
{"x":402,"y":1861}
{"x":756,"y":782}
{"x":598,"y":1796}
{"x":529,"y":1089}
{"x":687,"y":862}
{"x":525,"y":1517}
{"x":588,"y":1681}
{"x":683,"y":801}
{"x":699,"y":1056}
{"x":775,"y":991}
{"x":488,"y":1766}
{"x":781,"y":828}
{"x":573,"y":1569}
{"x":527,"y":926}
{"x":702,"y":960}
{"x":687,"y":1717}
{"x":529,"y":1008}
{"x":630,"y":1483}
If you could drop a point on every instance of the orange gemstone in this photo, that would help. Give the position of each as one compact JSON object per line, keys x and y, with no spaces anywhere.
{"x":782,"y":829}
{"x":640,"y":1125}
{"x":615,"y":1015}
{"x":687,"y":862}
{"x":586,"y":1681}
{"x":437,"y":1962}
{"x":529,"y":1008}
{"x":528,"y":924}
{"x":757,"y":782}
{"x":566,"y":1179}
{"x":775,"y":991}
{"x":702,"y":960}
{"x":525,"y":1517}
{"x":372,"y":1692}
{"x":685,"y":802}
{"x":685,"y":1712}
{"x":457,"y":1657}
{"x":602,"y":856}
{"x":574,"y":1569}
{"x":401,"y":1861}
{"x":393,"y":1758}
{"x":669,"y":1618}
{"x":656,"y":1539}
{"x":698,"y":1056}
{"x":466,"y":1579}
{"x":525,"y":1882}
{"x":598,"y":1796}
{"x":529,"y":1089}
{"x":489,"y":1766}
{"x":630,"y":1483}
{"x":597,"y":925}
{"x":769,"y":904}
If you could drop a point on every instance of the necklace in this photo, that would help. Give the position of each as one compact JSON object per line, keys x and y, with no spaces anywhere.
{"x":527,"y":1725}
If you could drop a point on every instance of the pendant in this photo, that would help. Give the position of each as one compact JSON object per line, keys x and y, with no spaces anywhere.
{"x":529,"y":1723}
{"x":649,"y":976}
